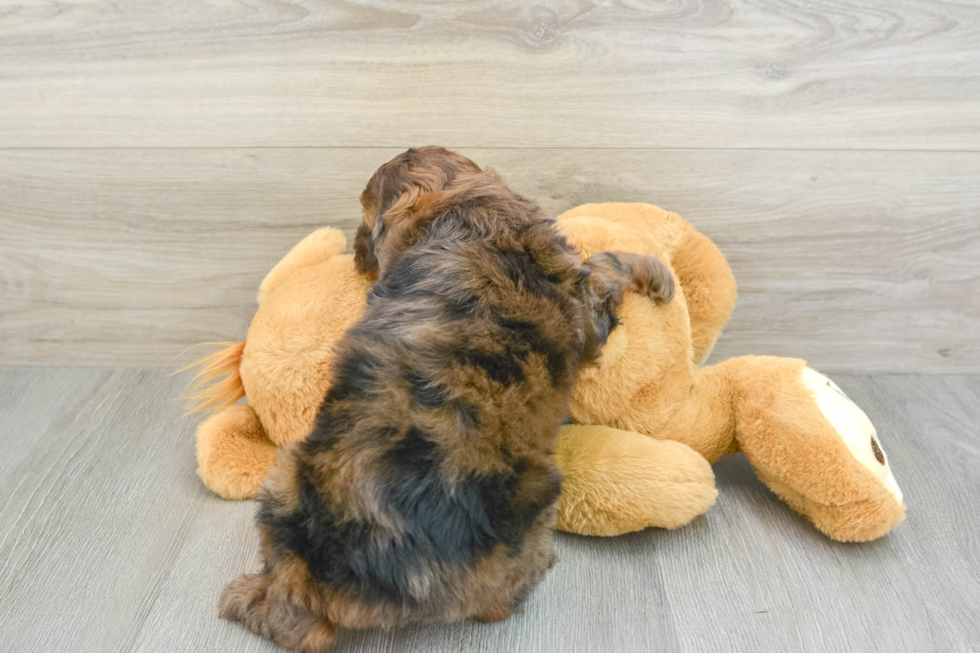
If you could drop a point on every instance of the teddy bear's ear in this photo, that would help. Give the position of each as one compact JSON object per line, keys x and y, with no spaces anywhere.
{"x":316,"y":248}
{"x":365,"y":259}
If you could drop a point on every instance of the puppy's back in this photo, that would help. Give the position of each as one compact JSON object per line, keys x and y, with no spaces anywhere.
{"x":429,"y":466}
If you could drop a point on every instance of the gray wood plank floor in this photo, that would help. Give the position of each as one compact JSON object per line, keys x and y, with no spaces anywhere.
{"x":108,"y":542}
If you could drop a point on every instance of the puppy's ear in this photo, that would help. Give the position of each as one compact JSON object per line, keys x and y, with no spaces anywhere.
{"x":365,"y":260}
{"x":385,"y":187}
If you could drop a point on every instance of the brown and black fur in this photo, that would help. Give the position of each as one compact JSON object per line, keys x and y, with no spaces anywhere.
{"x":427,"y":490}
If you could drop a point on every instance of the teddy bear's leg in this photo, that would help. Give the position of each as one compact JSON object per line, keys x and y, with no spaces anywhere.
{"x":621,"y":481}
{"x":233,"y":452}
{"x":816,"y":449}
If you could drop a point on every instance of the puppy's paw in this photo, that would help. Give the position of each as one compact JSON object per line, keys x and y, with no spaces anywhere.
{"x":242,"y":596}
{"x":266,"y":614}
{"x":653,"y":279}
{"x":551,"y":560}
{"x":493,"y":614}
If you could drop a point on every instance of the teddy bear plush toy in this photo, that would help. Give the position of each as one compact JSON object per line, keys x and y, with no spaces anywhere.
{"x":646,"y":422}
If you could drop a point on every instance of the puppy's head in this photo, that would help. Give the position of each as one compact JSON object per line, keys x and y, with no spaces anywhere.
{"x":394,"y":200}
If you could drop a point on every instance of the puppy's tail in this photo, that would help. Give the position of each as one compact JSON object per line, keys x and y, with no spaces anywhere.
{"x":262,"y":608}
{"x":217,"y":383}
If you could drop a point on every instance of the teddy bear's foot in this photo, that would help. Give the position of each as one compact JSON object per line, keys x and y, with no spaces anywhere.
{"x":234,"y":453}
{"x":621,"y":481}
{"x":873,"y":515}
{"x":861,"y":521}
{"x":816,"y":449}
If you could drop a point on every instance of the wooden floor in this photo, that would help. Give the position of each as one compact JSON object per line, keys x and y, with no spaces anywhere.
{"x":109,"y":542}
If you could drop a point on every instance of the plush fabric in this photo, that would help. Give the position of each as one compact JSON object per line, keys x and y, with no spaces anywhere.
{"x":648,"y":420}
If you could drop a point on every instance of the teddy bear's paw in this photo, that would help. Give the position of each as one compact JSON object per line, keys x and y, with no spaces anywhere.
{"x":621,"y":481}
{"x":854,"y":428}
{"x":234,"y":453}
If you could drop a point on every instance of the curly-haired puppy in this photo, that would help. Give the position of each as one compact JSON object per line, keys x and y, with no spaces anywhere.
{"x":427,"y":490}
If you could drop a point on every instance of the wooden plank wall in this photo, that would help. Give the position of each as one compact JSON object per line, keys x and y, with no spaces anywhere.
{"x":156,"y":159}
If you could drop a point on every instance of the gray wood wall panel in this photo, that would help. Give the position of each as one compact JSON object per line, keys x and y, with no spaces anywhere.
{"x":108,"y":542}
{"x":881,"y":74}
{"x":852,"y":260}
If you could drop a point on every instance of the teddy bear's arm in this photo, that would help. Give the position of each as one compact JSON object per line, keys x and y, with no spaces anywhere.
{"x":619,"y":481}
{"x":315,"y":248}
{"x":706,"y":281}
{"x":709,"y":289}
{"x":233,"y":452}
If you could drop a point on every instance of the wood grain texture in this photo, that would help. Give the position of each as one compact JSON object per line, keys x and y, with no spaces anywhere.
{"x":108,"y":542}
{"x":853,"y":260}
{"x":854,"y":74}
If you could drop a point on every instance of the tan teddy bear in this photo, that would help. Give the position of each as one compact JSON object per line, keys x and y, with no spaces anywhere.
{"x":647,"y":420}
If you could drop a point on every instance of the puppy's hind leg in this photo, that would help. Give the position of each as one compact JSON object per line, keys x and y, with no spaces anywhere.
{"x":495,"y":613}
{"x":258,"y":605}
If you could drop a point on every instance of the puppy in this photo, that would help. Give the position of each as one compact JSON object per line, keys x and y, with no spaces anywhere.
{"x":427,"y":490}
